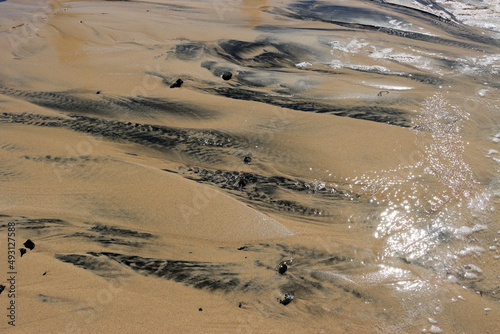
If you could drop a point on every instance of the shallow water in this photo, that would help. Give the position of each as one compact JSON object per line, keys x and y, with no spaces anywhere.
{"x":372,"y":130}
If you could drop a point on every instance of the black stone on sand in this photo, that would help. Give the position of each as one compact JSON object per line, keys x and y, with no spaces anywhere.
{"x":29,"y":244}
{"x":178,"y":83}
{"x":287,"y":300}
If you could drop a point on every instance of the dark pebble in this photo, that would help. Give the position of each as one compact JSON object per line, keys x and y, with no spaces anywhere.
{"x":227,"y":75}
{"x":23,"y":251}
{"x":29,"y":244}
{"x":2,"y":287}
{"x":247,"y":159}
{"x":287,"y":300}
{"x":242,"y":182}
{"x":200,"y":309}
{"x":98,"y":92}
{"x":282,"y":268}
{"x":240,"y":305}
{"x":178,"y":83}
{"x":45,"y":273}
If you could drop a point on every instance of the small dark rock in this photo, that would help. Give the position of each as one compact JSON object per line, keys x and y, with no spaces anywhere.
{"x":240,"y":305}
{"x":200,"y":309}
{"x":45,"y":273}
{"x":98,"y":92}
{"x":23,"y":251}
{"x":247,"y":159}
{"x":242,"y":182}
{"x":282,"y":268}
{"x":178,"y":83}
{"x":2,"y":287}
{"x":287,"y":300}
{"x":29,"y":244}
{"x":227,"y":75}
{"x":242,"y":247}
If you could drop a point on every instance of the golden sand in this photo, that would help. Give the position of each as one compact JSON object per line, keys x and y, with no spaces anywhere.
{"x":147,"y":219}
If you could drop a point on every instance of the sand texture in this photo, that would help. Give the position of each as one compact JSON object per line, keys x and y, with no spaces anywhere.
{"x":320,"y":167}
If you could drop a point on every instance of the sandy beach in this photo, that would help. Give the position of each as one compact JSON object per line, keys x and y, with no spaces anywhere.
{"x":320,"y":167}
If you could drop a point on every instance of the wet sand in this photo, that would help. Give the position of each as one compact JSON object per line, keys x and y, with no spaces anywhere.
{"x":356,"y":142}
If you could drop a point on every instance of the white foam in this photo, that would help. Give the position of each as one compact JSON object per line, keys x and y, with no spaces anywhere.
{"x":391,"y":87}
{"x":472,"y":267}
{"x":352,"y":47}
{"x":336,"y":64}
{"x":496,"y":138}
{"x":370,"y":68}
{"x":473,"y":65}
{"x":479,"y":13}
{"x":465,"y":230}
{"x":492,"y":151}
{"x":401,"y":57}
{"x":482,"y":92}
{"x":399,"y":24}
{"x":470,"y":275}
{"x":435,"y":329}
{"x":472,"y":250}
{"x":303,"y":64}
